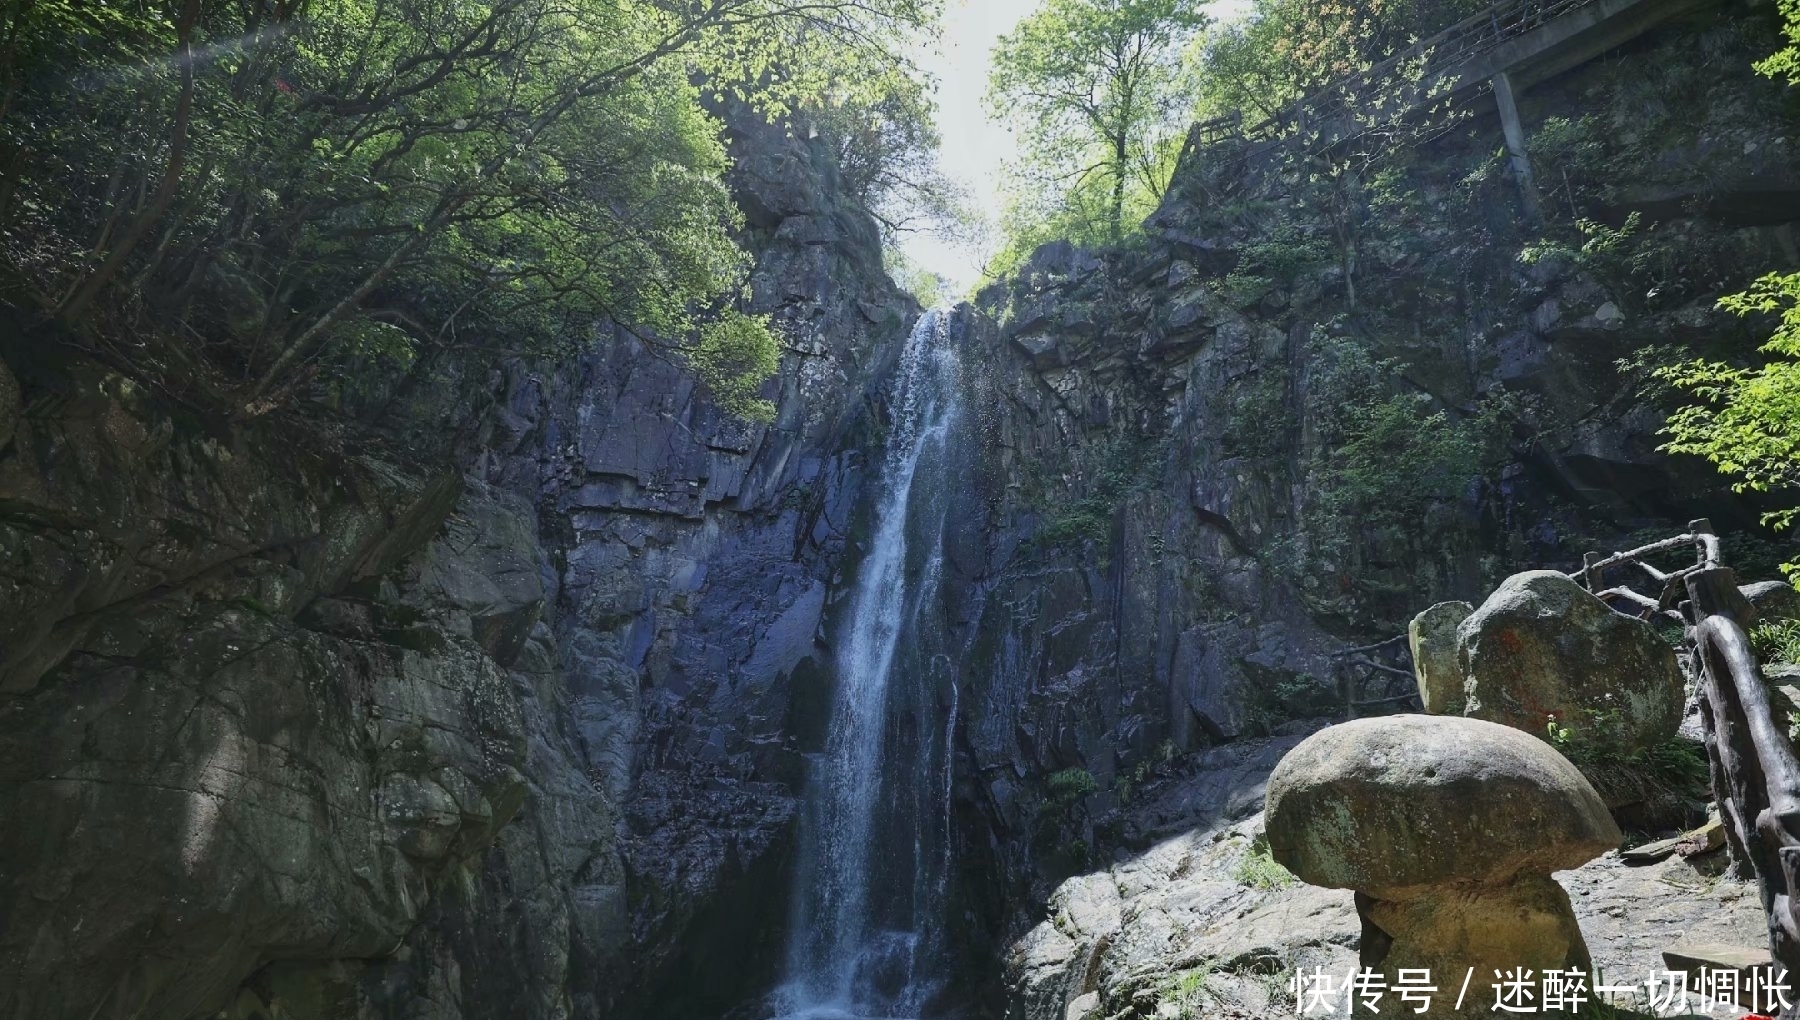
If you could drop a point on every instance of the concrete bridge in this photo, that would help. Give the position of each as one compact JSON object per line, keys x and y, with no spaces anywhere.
{"x":1507,"y":48}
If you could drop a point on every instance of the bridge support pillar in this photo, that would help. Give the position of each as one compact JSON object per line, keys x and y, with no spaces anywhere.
{"x":1515,"y":146}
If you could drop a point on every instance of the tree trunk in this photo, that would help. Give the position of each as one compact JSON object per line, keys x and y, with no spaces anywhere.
{"x":84,"y":294}
{"x":1120,"y":168}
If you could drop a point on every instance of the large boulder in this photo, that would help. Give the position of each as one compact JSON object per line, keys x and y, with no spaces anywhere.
{"x":1394,"y":804}
{"x":1774,"y":600}
{"x":1448,"y":829}
{"x":1542,"y":646}
{"x":1432,"y":638}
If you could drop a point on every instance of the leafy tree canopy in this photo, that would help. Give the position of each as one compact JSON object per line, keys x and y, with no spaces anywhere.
{"x":1094,"y":89}
{"x":247,"y":201}
{"x":1286,"y":49}
{"x":886,"y":153}
{"x":1101,"y":92}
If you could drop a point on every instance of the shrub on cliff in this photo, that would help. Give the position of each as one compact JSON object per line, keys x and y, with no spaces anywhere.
{"x":243,"y":203}
{"x":1385,"y":458}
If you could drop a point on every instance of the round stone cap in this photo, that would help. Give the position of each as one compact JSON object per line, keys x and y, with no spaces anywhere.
{"x":1388,"y":804}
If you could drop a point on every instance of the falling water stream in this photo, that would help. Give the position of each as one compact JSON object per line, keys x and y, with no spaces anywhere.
{"x":872,"y":880}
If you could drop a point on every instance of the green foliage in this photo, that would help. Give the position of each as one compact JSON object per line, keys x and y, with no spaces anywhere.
{"x":1393,"y":455}
{"x":1777,"y":641}
{"x":1284,"y":254}
{"x":1673,"y":768}
{"x":1286,"y":49}
{"x":886,"y":154}
{"x":1345,"y":373}
{"x":1258,"y":868}
{"x":737,"y":352}
{"x":1067,"y":787}
{"x":1298,"y":63}
{"x":1391,"y":479}
{"x":1188,"y":991}
{"x":1560,"y":143}
{"x":1064,"y":790}
{"x":1283,"y":698}
{"x":1785,"y":62}
{"x":1569,"y":159}
{"x":1398,"y":457}
{"x":1188,"y":984}
{"x":1079,"y":853}
{"x":1129,"y":781}
{"x":1748,"y":421}
{"x":1603,"y":252}
{"x":1277,"y":258}
{"x":1258,"y":409}
{"x":1125,"y":468}
{"x":1093,"y":89}
{"x":1758,"y":555}
{"x":1350,"y":153}
{"x":246,"y":203}
{"x":1644,"y":267}
{"x":1645,"y":125}
{"x":1035,"y":213}
{"x":928,"y":288}
{"x":1643,"y":369}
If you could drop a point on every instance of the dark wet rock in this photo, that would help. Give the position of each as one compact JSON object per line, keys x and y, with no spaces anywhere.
{"x":10,"y":406}
{"x":350,"y":734}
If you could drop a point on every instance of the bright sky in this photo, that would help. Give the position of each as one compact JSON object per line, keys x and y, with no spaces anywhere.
{"x":974,"y":147}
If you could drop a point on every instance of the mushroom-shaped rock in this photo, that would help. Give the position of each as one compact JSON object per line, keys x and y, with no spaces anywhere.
{"x":1432,"y":638}
{"x":1448,"y":828}
{"x":1543,"y":646}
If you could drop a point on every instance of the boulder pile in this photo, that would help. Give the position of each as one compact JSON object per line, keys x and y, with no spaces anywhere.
{"x":1542,"y":647}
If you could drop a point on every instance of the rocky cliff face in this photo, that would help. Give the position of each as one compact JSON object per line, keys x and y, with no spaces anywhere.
{"x":341,"y":733}
{"x":1208,"y":464}
{"x":335,"y":728}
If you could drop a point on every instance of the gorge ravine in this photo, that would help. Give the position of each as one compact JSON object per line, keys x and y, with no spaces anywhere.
{"x":512,"y":709}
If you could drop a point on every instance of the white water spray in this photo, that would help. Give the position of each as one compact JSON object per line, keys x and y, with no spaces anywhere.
{"x":873,"y":870}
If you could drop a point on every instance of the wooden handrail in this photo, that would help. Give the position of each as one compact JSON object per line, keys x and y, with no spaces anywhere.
{"x":1754,"y":769}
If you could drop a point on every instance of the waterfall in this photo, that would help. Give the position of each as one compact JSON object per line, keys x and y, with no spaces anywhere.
{"x":872,"y":879}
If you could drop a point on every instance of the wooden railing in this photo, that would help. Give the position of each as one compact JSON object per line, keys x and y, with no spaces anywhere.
{"x":1367,"y":676}
{"x":1755,"y":772}
{"x":1427,"y":63}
